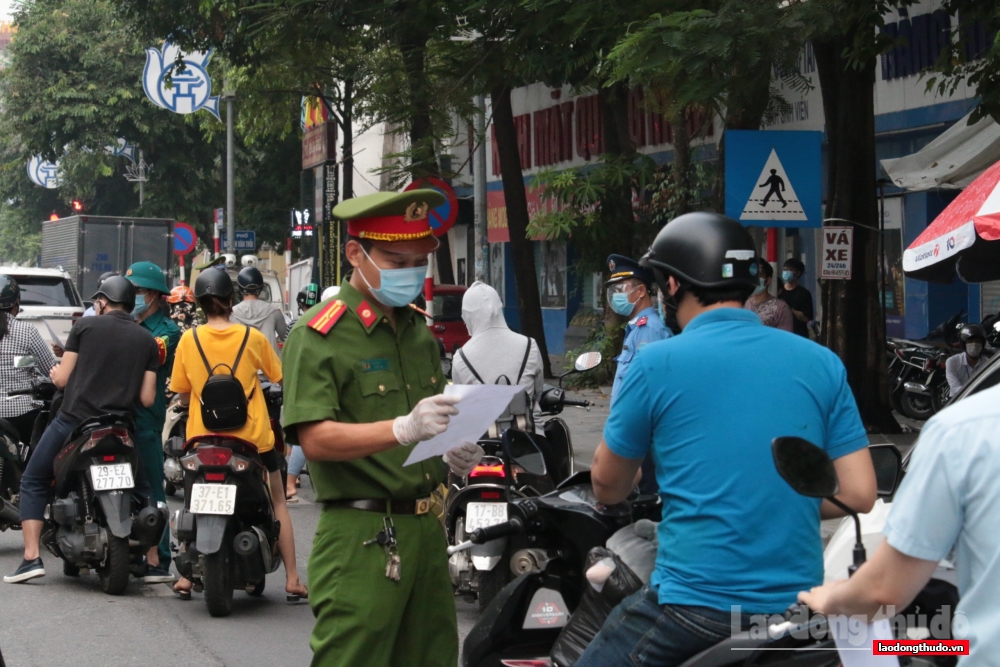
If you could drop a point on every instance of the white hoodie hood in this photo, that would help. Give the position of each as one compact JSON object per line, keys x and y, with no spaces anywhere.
{"x":482,"y":309}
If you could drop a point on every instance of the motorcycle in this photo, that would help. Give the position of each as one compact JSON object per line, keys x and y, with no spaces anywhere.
{"x":925,"y":389}
{"x":174,"y":436}
{"x":480,"y":499}
{"x":527,"y":617}
{"x":94,"y":520}
{"x":227,"y":532}
{"x":14,"y":454}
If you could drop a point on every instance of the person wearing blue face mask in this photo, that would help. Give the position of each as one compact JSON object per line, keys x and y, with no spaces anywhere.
{"x":363,"y":384}
{"x":150,"y":288}
{"x":797,"y":297}
{"x":629,"y":295}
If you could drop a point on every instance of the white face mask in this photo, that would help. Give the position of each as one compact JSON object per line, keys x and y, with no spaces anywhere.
{"x":974,"y":349}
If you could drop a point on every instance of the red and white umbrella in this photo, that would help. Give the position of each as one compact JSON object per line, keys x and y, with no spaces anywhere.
{"x":965,"y":237}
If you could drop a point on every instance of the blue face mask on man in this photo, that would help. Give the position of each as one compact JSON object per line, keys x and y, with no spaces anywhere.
{"x":398,"y":287}
{"x":788,"y":276}
{"x":141,"y":306}
{"x":621,"y":305}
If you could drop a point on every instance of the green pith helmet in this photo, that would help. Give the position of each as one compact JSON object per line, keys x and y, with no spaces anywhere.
{"x":10,"y":293}
{"x":308,"y":296}
{"x":146,"y":275}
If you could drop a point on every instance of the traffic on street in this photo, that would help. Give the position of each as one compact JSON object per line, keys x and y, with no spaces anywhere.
{"x":522,"y":334}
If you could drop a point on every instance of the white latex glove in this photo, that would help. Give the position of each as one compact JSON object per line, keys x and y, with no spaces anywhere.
{"x":428,"y":418}
{"x":464,"y":458}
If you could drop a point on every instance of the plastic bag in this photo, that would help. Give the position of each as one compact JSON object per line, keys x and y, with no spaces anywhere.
{"x":599,"y":598}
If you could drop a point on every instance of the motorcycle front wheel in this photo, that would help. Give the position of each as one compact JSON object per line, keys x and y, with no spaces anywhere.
{"x":218,"y":580}
{"x":114,"y":573}
{"x":918,"y":406}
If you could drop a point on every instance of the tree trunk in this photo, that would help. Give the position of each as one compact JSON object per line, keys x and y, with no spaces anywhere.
{"x":616,"y":209}
{"x":744,"y":111}
{"x":528,"y":301}
{"x":423,"y":157}
{"x":853,"y":324}
{"x":347,"y":142}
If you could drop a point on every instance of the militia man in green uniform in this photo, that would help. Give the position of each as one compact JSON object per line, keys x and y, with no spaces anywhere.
{"x":151,"y":287}
{"x":363,"y":383}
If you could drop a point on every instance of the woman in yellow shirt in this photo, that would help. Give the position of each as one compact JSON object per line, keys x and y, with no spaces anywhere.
{"x":221,"y":339}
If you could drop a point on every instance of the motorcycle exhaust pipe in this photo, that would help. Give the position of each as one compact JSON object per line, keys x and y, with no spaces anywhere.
{"x":249,"y":556}
{"x":917,"y":388}
{"x":147,"y":529}
{"x":9,"y":513}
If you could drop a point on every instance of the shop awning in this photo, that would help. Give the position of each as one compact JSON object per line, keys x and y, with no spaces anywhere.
{"x":964,"y":237}
{"x":953,"y":160}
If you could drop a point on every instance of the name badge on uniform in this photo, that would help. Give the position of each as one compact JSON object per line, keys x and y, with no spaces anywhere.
{"x":374,"y":365}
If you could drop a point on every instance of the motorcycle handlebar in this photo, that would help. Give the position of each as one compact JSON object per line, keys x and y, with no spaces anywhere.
{"x":512,"y":527}
{"x":20,"y":392}
{"x":576,"y":404}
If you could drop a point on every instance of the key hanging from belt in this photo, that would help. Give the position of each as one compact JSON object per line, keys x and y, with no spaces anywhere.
{"x":386,"y":538}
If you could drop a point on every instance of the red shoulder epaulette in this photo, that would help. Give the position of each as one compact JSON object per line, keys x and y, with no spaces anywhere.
{"x":641,"y":321}
{"x":366,"y":314}
{"x":328,"y":316}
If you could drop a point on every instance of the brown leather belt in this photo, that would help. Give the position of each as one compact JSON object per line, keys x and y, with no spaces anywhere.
{"x":416,"y":507}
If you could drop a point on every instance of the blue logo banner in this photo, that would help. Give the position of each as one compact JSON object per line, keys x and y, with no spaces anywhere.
{"x":191,"y":90}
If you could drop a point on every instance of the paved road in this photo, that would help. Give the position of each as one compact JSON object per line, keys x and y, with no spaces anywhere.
{"x":59,"y":621}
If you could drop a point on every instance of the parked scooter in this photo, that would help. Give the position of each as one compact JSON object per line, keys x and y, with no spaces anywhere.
{"x":480,"y":499}
{"x":227,"y":531}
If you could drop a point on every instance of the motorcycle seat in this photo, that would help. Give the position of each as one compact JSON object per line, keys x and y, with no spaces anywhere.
{"x":721,"y":654}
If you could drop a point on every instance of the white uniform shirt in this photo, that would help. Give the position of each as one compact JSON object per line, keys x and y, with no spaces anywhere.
{"x":958,"y":371}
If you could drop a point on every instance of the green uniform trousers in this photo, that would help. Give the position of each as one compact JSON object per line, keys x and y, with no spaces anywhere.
{"x":149,"y":444}
{"x":364,"y":618}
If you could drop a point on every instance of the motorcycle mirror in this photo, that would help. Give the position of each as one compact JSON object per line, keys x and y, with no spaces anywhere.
{"x":807,"y":468}
{"x":587,"y":361}
{"x":26,"y":361}
{"x":522,"y":450}
{"x":888,"y":463}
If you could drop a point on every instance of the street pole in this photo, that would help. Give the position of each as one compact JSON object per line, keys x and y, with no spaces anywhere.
{"x":482,"y":259}
{"x":142,"y":181}
{"x":230,"y":191}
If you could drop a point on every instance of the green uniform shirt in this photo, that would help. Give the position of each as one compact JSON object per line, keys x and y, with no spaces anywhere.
{"x":167,"y":334}
{"x":362,"y":371}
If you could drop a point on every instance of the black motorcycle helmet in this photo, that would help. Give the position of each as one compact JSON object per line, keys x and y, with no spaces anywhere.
{"x":105,"y":276}
{"x":970,"y":331}
{"x":308,"y":296}
{"x":117,"y":290}
{"x":10,"y":293}
{"x":703,"y":249}
{"x":250,"y":280}
{"x":213,"y":283}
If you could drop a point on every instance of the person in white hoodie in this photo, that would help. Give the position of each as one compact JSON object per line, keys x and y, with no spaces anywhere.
{"x":494,"y":352}
{"x":253,"y":312}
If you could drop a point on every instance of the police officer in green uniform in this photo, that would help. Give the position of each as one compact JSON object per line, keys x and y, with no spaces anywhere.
{"x":362,"y":385}
{"x":150,"y":289}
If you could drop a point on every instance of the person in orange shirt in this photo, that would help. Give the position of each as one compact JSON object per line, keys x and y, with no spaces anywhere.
{"x":221,"y":339}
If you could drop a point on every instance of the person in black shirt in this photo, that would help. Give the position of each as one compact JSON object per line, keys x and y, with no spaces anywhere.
{"x":108,"y":367}
{"x":797,"y":297}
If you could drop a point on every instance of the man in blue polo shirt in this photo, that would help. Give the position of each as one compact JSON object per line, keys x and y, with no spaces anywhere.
{"x":707,"y":404}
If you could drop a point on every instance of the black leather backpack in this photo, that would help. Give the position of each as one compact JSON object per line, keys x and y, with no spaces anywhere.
{"x":223,"y":400}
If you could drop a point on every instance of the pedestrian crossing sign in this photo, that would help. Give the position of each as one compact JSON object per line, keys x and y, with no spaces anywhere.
{"x":773,"y":178}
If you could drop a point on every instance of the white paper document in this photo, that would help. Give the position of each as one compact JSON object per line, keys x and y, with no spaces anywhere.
{"x":854,"y":642}
{"x":52,"y":333}
{"x":480,"y":406}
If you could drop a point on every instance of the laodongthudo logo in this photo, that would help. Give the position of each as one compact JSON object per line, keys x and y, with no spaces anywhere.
{"x":189,"y":90}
